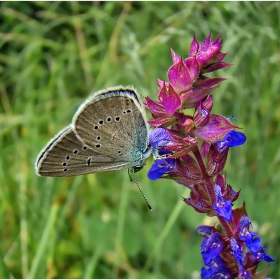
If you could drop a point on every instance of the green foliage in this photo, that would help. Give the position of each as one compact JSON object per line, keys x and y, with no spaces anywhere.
{"x":52,"y":55}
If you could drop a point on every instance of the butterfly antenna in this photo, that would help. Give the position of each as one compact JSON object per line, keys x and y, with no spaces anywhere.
{"x":132,"y":178}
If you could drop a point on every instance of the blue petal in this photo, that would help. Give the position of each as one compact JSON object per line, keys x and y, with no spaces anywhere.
{"x":247,"y":236}
{"x":236,"y":138}
{"x":268,"y":258}
{"x":231,"y":139}
{"x":159,"y":138}
{"x":244,"y":222}
{"x":160,"y":167}
{"x":261,"y":255}
{"x":211,"y":248}
{"x":224,"y":211}
{"x":156,"y":172}
{"x":223,"y":207}
{"x":254,"y":244}
{"x":206,"y":273}
{"x":243,"y":273}
{"x":204,"y":231}
{"x":216,"y":270}
{"x":236,"y":251}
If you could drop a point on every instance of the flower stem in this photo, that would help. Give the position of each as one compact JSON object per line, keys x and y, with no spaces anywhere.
{"x":207,"y":179}
{"x":225,"y":225}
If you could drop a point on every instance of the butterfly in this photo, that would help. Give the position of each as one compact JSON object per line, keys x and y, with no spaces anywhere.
{"x":109,"y":131}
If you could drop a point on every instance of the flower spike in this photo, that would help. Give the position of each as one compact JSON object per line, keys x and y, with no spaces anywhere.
{"x":192,"y":148}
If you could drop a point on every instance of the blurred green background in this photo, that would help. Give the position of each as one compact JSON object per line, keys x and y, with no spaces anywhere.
{"x":52,"y":56}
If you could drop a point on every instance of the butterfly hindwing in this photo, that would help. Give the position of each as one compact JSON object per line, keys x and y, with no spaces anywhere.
{"x":65,"y":155}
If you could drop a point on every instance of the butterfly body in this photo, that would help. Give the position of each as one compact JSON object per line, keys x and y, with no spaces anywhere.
{"x":108,"y":132}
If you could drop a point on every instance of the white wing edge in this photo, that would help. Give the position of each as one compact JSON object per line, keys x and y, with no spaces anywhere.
{"x":50,"y":145}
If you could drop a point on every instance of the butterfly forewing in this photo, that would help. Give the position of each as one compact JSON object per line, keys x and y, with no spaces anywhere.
{"x":114,"y":124}
{"x":65,"y":155}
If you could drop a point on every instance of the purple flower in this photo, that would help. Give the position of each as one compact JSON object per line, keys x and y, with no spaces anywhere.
{"x":247,"y":236}
{"x":161,"y":166}
{"x":235,"y":249}
{"x":222,"y":206}
{"x":205,"y":231}
{"x":243,"y":273}
{"x":211,"y":248}
{"x":216,"y":270}
{"x":261,"y":256}
{"x":159,"y":139}
{"x":231,"y":139}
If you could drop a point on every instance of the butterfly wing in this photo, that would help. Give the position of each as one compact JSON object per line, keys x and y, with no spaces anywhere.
{"x":114,"y":124}
{"x":65,"y":155}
